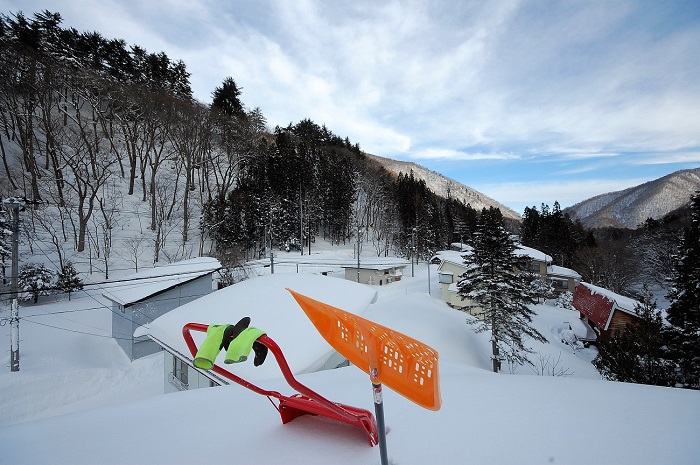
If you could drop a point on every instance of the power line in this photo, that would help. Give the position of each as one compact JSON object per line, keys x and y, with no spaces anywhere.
{"x":79,"y":332}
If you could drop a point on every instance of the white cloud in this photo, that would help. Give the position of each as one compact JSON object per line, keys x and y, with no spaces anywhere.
{"x":578,"y":86}
{"x":455,"y":155}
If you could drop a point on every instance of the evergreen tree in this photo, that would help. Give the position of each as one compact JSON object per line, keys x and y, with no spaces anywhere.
{"x":638,"y":354}
{"x":541,"y":289}
{"x":35,"y":279}
{"x":502,"y":292}
{"x":684,"y":311}
{"x":530,"y":228}
{"x":69,"y":280}
{"x":226,"y":99}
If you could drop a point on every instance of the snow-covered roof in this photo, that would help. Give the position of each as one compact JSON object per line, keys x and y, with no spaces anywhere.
{"x":454,"y":256}
{"x":533,"y":253}
{"x":555,"y":270}
{"x":150,"y":281}
{"x":272,"y":309}
{"x":376,"y":263}
{"x":623,"y":303}
{"x":451,"y":256}
{"x":368,"y":262}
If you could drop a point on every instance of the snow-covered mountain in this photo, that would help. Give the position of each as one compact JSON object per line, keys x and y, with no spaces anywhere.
{"x":441,"y":185}
{"x":630,"y":207}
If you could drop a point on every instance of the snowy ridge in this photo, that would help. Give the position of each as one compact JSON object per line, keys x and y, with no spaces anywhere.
{"x":630,"y":207}
{"x":443,"y":185}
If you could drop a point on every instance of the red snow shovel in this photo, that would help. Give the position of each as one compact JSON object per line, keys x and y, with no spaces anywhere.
{"x":291,"y":407}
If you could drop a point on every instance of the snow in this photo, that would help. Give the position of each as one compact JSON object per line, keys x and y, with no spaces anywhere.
{"x":533,"y":253}
{"x":77,"y":399}
{"x":557,"y":270}
{"x":623,"y":303}
{"x":152,"y":280}
{"x":272,"y":309}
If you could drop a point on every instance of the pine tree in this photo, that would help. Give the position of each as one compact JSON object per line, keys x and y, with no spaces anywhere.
{"x":69,"y":279}
{"x":502,"y":292}
{"x":35,"y":279}
{"x":541,"y":289}
{"x":638,"y":354}
{"x":684,"y":311}
{"x":226,"y":99}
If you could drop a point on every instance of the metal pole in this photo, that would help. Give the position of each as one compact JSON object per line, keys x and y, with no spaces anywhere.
{"x":428,"y":278}
{"x":14,"y":204}
{"x":358,"y":254}
{"x":272,"y":255}
{"x":379,"y":411}
{"x":413,"y":250}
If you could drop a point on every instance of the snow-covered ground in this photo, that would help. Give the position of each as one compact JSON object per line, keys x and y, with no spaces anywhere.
{"x":77,"y":399}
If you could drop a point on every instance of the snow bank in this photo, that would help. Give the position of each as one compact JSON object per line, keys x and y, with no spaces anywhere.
{"x":272,"y":309}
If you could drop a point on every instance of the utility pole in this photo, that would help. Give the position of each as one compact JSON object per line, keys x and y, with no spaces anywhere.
{"x":14,"y":204}
{"x":272,"y":255}
{"x":358,"y":253}
{"x":413,"y":251}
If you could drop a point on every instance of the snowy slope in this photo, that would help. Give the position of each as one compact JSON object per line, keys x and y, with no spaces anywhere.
{"x":441,"y":185}
{"x":631,"y":207}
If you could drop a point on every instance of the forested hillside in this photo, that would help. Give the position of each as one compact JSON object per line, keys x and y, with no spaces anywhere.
{"x":94,"y":130}
{"x":631,"y":207}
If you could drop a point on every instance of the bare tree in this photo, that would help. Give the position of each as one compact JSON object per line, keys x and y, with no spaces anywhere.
{"x":84,"y":153}
{"x":191,"y":138}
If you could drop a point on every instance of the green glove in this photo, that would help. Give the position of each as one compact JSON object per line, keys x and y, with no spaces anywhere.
{"x":241,"y":346}
{"x":206,"y":355}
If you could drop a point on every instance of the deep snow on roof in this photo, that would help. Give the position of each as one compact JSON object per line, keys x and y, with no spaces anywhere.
{"x":562,"y":271}
{"x":623,"y":303}
{"x":147,"y":282}
{"x":272,"y":309}
{"x":533,"y":253}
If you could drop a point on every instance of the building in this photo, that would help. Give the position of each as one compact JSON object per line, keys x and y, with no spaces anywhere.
{"x":376,"y":271}
{"x":452,"y":267}
{"x":142,"y":297}
{"x":272,"y":308}
{"x":604,"y":311}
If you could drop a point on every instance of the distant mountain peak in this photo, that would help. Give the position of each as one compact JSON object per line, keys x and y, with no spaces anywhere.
{"x":630,"y":207}
{"x":442,"y":185}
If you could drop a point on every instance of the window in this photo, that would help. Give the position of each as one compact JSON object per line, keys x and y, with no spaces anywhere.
{"x":446,"y":278}
{"x":560,"y":283}
{"x":180,"y":373}
{"x":535,"y":266}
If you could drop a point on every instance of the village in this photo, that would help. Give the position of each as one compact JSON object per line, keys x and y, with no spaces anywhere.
{"x":141,"y":305}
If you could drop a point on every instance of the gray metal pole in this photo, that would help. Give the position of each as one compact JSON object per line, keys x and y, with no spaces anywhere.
{"x":379,"y":411}
{"x":358,"y":254}
{"x":14,"y":204}
{"x":413,"y":251}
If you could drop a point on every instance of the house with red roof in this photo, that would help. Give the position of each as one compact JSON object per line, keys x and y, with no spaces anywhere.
{"x":605,"y":311}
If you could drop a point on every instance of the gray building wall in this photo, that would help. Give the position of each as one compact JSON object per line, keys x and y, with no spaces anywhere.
{"x":125,"y":320}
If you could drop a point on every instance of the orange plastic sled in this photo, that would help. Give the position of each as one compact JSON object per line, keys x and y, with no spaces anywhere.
{"x":404,"y":364}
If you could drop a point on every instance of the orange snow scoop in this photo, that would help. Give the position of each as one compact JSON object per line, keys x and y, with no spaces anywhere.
{"x":404,"y":364}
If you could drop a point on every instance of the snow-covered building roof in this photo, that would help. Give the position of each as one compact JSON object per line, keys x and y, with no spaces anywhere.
{"x":151,"y":281}
{"x":376,"y":263}
{"x":272,"y":309}
{"x":451,"y":256}
{"x":533,"y":253}
{"x":601,"y":307}
{"x":623,"y":303}
{"x":555,"y":270}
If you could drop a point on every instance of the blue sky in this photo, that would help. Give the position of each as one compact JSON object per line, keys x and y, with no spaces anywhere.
{"x":526,"y":101}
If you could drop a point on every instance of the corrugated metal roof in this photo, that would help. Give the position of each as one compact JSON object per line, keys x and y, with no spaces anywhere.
{"x":141,"y":285}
